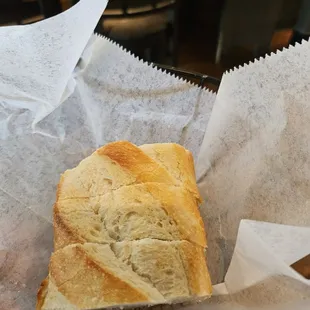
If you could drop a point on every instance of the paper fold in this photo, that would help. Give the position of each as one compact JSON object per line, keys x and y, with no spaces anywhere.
{"x":261,"y":252}
{"x":254,"y":161}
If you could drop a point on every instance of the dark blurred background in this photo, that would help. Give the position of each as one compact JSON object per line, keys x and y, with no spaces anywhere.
{"x":207,"y":36}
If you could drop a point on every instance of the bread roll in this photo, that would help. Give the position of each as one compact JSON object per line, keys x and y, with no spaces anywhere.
{"x":127,"y":231}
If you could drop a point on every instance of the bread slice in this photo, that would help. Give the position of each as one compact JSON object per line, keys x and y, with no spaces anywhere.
{"x":110,"y":167}
{"x":136,"y":272}
{"x":122,"y":163}
{"x":133,"y":212}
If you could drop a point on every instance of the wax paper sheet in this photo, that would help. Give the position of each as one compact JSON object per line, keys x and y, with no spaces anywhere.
{"x":64,"y":92}
{"x":254,"y":164}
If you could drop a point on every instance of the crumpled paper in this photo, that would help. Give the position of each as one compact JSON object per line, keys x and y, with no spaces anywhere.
{"x":64,"y":92}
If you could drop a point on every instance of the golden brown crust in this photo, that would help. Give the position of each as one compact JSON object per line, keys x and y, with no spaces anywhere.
{"x":130,"y":157}
{"x":42,"y":294}
{"x":59,"y":187}
{"x":63,"y":235}
{"x":199,"y":281}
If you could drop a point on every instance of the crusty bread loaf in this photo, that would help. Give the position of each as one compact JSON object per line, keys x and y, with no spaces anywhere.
{"x":127,"y":230}
{"x":147,"y":271}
